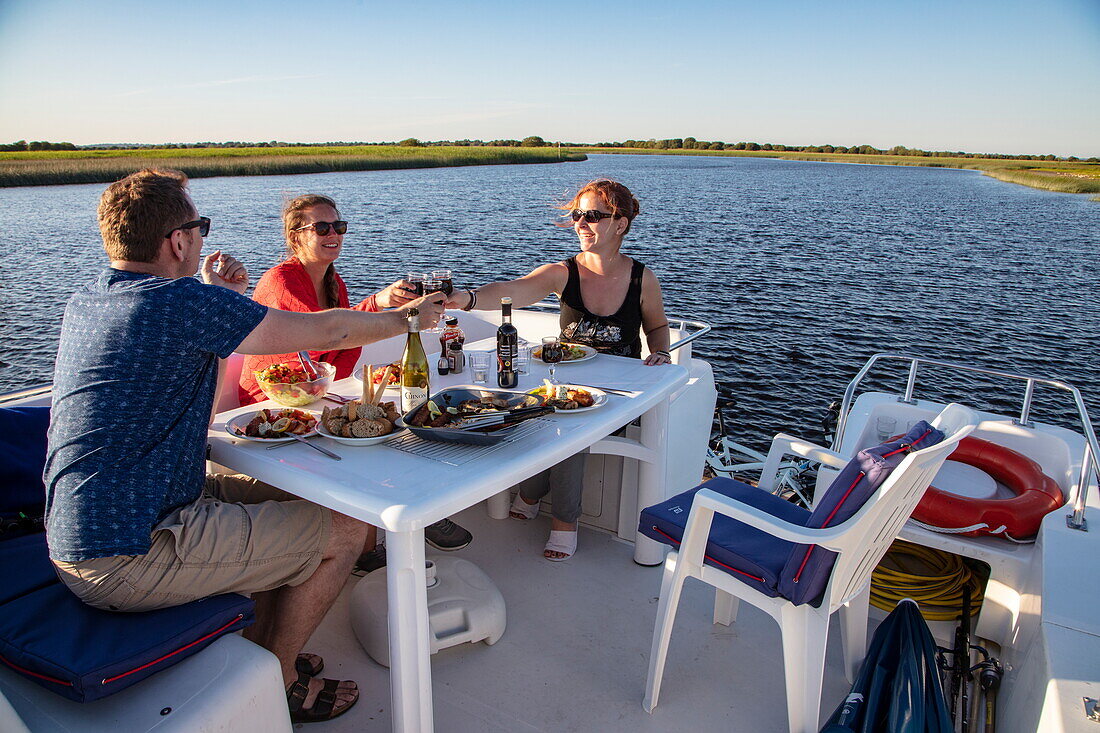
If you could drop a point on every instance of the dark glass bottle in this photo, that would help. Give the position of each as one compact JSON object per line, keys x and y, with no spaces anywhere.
{"x":507,"y":347}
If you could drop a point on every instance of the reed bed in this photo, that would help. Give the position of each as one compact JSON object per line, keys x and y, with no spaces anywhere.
{"x":40,"y":168}
{"x":1060,"y":176}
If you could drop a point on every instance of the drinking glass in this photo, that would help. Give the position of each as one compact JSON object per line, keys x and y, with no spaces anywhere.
{"x":432,"y":285}
{"x":479,"y":366}
{"x":522,"y":362}
{"x":552,"y":353}
{"x":446,"y":283}
{"x":885,"y":427}
{"x":417,"y":280}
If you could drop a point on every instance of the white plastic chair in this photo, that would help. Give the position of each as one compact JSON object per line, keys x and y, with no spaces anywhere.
{"x":860,"y":542}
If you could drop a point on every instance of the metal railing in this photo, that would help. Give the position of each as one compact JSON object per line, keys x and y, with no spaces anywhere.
{"x":1090,"y":461}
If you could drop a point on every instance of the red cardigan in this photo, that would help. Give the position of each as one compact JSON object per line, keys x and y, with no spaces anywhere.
{"x":287,"y":287}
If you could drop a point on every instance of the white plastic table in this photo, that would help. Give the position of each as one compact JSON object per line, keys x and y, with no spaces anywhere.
{"x":403,"y":492}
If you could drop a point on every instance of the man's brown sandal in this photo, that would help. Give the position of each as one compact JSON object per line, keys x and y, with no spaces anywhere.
{"x":310,"y":664}
{"x":325,"y":707}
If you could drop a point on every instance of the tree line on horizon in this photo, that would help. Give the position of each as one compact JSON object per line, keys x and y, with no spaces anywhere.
{"x":535,"y":141}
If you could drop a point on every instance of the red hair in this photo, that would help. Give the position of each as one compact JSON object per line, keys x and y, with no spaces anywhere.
{"x":613,"y":195}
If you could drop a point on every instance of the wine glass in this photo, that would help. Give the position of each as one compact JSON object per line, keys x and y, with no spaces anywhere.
{"x":416,"y":279}
{"x":445,"y":281}
{"x":432,"y":285}
{"x":552,"y":353}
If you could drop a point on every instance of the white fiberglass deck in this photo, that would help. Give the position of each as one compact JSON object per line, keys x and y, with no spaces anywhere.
{"x":575,"y":653}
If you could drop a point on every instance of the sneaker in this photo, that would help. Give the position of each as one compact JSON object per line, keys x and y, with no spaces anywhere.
{"x":446,"y":535}
{"x":372,"y":560}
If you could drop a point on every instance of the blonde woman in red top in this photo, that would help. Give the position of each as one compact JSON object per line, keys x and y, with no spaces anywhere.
{"x":307,"y":281}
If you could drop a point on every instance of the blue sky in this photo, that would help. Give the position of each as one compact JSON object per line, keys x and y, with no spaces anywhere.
{"x":1007,"y":76}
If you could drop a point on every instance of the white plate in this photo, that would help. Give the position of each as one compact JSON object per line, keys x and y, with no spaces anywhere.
{"x":599,"y":398}
{"x":240,"y":421}
{"x":589,"y":353}
{"x":356,"y":441}
{"x":358,"y":374}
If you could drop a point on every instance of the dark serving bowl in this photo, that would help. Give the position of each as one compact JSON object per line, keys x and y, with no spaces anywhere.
{"x":452,"y":398}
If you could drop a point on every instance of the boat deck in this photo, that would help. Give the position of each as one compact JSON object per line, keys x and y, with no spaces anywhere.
{"x":575,"y":653}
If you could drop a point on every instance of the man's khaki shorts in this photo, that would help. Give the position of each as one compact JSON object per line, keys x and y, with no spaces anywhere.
{"x":252,"y":537}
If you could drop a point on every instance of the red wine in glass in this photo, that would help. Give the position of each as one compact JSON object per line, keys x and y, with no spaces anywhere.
{"x":446,"y":284}
{"x":552,"y":353}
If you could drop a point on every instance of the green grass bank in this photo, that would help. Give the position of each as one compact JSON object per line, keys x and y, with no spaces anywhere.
{"x":50,"y":167}
{"x":1054,"y":175}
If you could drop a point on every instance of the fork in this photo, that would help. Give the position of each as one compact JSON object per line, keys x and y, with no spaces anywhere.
{"x":338,"y":399}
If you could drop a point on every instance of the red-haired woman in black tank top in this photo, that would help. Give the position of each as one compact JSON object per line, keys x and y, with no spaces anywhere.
{"x":608,"y":301}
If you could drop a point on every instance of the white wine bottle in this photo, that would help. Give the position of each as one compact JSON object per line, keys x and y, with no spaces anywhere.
{"x":414,"y":367}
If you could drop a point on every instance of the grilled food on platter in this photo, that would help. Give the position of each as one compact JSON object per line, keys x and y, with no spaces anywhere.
{"x":278,"y":424}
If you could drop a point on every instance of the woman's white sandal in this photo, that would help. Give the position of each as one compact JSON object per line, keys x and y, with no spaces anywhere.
{"x":525,"y":510}
{"x":563,"y":541}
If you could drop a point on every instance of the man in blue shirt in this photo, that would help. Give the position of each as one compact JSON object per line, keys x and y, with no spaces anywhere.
{"x":133,"y":522}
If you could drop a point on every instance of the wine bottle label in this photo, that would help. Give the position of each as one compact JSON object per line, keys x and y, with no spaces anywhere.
{"x":412,"y":398}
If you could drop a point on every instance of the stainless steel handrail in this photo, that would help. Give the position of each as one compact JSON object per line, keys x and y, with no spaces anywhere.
{"x":703,"y":327}
{"x":1090,"y":461}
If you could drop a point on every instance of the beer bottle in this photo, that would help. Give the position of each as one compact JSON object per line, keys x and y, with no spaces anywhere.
{"x":507,"y":347}
{"x":414,"y":367}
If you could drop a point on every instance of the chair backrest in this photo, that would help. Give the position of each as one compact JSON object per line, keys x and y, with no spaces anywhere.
{"x":228,"y":397}
{"x":882,"y":517}
{"x":807,"y":570}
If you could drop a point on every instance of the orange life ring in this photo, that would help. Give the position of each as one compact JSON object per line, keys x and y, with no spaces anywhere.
{"x":1019,"y":517}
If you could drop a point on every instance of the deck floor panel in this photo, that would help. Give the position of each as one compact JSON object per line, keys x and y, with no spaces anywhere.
{"x":575,"y":653}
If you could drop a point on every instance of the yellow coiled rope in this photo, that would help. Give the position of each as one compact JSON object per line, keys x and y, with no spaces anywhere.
{"x":933,"y":578}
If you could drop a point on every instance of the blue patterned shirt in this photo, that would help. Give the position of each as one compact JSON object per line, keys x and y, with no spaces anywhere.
{"x":134,"y":383}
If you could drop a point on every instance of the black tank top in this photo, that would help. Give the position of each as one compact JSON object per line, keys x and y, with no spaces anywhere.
{"x":619,"y":333}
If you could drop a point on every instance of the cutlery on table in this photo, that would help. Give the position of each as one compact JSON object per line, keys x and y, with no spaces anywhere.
{"x":503,"y":419}
{"x":307,"y":364}
{"x":612,"y":390}
{"x":327,"y":452}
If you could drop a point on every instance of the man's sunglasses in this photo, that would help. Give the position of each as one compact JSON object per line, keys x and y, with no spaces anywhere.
{"x":203,"y":223}
{"x":592,"y":216}
{"x":322,"y":227}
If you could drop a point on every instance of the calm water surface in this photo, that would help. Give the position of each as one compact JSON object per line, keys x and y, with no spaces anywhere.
{"x":804,"y":269}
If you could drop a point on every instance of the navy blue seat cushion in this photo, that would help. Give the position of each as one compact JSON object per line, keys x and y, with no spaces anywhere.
{"x":747,"y":553}
{"x":50,"y":636}
{"x":806,"y":572}
{"x":22,"y":456}
{"x":84,"y":654}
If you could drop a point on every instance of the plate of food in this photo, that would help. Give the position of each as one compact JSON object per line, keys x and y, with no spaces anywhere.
{"x":443,"y":416}
{"x":272,"y":426}
{"x":570,"y":397}
{"x":394,"y":381}
{"x":359,"y":424}
{"x":574,"y":353}
{"x":364,"y":421}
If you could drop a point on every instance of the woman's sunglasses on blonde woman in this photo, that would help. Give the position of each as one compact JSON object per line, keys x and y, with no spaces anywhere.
{"x":322,"y":227}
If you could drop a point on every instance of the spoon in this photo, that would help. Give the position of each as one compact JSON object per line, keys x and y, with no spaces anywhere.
{"x":307,"y":364}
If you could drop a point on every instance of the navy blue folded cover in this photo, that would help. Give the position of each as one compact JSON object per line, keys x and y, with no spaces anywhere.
{"x":749,"y":554}
{"x":808,"y":567}
{"x":22,"y":456}
{"x":51,"y":637}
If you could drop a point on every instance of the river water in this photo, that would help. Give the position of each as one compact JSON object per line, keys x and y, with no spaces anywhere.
{"x":804,"y":269}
